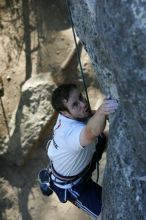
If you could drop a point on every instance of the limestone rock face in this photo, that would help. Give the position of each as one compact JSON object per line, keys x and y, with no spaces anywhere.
{"x":114,"y":33}
{"x":33,"y":113}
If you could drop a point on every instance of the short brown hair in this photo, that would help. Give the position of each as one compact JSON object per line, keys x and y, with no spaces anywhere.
{"x":59,"y":94}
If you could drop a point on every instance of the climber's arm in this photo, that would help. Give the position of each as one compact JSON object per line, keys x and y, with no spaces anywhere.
{"x":97,"y":122}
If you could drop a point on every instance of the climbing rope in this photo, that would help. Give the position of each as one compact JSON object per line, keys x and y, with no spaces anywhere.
{"x":78,"y":54}
{"x":82,"y":72}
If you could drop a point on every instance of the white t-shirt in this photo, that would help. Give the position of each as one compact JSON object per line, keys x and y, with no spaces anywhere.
{"x":68,"y":156}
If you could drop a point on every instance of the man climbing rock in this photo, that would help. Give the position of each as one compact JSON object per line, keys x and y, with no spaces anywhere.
{"x":77,"y":133}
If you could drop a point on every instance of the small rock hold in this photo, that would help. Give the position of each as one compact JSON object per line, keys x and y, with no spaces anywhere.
{"x":9,"y":115}
{"x":85,"y":64}
{"x":8,"y":78}
{"x":57,"y":52}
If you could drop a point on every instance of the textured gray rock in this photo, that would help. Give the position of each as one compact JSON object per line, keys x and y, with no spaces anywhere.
{"x":114,"y":34}
{"x":33,"y":113}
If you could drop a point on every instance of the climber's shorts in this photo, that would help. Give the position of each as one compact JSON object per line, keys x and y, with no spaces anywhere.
{"x":85,"y":193}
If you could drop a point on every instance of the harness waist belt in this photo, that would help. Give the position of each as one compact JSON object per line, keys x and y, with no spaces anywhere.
{"x":69,"y":178}
{"x":64,"y":185}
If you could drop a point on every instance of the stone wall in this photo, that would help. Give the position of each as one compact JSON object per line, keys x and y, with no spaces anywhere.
{"x":114,"y":33}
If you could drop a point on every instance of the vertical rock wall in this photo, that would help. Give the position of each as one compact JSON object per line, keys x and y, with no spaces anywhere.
{"x":114,"y":34}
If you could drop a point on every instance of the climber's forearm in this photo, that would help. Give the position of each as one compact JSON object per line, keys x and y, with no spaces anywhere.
{"x":97,"y":122}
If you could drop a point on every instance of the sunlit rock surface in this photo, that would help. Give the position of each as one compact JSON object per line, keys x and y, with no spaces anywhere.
{"x":32,"y":115}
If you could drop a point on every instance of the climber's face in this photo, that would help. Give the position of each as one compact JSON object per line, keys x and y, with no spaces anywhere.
{"x":77,"y":106}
